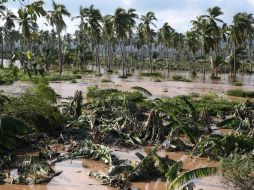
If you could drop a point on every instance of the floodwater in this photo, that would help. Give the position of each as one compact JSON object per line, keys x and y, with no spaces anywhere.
{"x":166,"y":88}
{"x":74,"y":175}
{"x":74,"y":172}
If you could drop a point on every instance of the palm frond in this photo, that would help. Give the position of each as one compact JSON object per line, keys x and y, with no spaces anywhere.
{"x":143,"y":90}
{"x":190,"y":175}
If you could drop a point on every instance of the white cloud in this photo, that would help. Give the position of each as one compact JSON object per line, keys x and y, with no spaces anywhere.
{"x":178,"y":19}
{"x":250,"y":2}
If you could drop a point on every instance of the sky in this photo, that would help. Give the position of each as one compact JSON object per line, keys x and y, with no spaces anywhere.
{"x":178,"y":13}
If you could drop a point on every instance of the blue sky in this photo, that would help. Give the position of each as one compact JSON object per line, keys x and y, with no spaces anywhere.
{"x":177,"y":13}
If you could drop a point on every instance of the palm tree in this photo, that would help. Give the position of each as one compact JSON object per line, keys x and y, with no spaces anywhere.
{"x":166,"y":33}
{"x":140,"y":40}
{"x":93,"y":20}
{"x":240,"y":31}
{"x":55,"y":19}
{"x":132,"y":22}
{"x":205,"y":31}
{"x":148,"y":21}
{"x":108,"y":32}
{"x":2,"y":8}
{"x":80,"y":35}
{"x":8,"y":18}
{"x":121,"y":26}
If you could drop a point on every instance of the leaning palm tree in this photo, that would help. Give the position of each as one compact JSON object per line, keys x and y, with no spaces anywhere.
{"x":148,"y":21}
{"x":176,"y":178}
{"x":55,"y":19}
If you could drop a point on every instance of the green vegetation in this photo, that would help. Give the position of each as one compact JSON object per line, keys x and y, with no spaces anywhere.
{"x":241,"y":93}
{"x":180,"y":78}
{"x":106,"y":80}
{"x":157,"y":75}
{"x":237,"y":171}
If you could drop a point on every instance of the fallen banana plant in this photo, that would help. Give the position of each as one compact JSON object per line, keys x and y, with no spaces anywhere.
{"x":32,"y":172}
{"x":177,"y":178}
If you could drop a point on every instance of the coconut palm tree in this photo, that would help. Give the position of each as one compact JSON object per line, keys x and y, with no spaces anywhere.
{"x":81,"y":37}
{"x":8,"y":18}
{"x":148,"y":22}
{"x":208,"y":43}
{"x":132,"y":22}
{"x":166,"y":33}
{"x":240,"y":32}
{"x":55,"y":19}
{"x":108,"y":32}
{"x":93,"y":19}
{"x":121,"y":26}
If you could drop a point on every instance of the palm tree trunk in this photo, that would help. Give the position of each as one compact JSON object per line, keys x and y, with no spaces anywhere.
{"x":60,"y":56}
{"x":2,"y":52}
{"x":150,"y":58}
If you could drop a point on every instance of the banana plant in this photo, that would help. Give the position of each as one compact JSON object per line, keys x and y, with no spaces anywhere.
{"x":183,"y":180}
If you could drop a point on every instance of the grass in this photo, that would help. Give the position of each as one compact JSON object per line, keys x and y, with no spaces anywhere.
{"x":241,"y":93}
{"x":83,"y":71}
{"x":237,"y":83}
{"x":180,"y":78}
{"x":215,"y":77}
{"x":151,"y":74}
{"x":74,"y":81}
{"x":106,"y":80}
{"x":157,"y":80}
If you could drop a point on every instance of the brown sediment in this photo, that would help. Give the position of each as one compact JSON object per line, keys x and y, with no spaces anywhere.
{"x":162,"y":89}
{"x":73,"y":177}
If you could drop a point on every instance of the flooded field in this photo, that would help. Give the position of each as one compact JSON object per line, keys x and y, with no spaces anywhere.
{"x":74,"y":174}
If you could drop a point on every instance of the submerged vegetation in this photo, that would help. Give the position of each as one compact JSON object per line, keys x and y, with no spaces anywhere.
{"x":91,"y":125}
{"x":241,"y":93}
{"x":128,"y":119}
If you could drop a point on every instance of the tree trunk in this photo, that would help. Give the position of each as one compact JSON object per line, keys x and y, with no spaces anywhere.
{"x":60,"y":56}
{"x":2,"y":52}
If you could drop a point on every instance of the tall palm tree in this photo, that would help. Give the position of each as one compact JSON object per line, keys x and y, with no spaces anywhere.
{"x":81,"y":37}
{"x":108,"y":32}
{"x":8,"y":18}
{"x":55,"y":19}
{"x":166,"y":33}
{"x":2,"y":8}
{"x":205,"y":31}
{"x":240,"y":31}
{"x":148,"y":21}
{"x":121,"y":26}
{"x":132,"y":22}
{"x":140,"y":40}
{"x":93,"y":20}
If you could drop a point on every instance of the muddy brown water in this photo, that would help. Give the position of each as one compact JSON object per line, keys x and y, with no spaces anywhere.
{"x":74,"y":172}
{"x":74,"y":175}
{"x":165,"y":88}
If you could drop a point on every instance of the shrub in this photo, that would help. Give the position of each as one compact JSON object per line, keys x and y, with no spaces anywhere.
{"x":215,"y":77}
{"x":157,"y":80}
{"x":35,"y":108}
{"x":241,"y":93}
{"x":151,"y":74}
{"x":237,"y":83}
{"x":238,"y":172}
{"x":180,"y":78}
{"x":106,"y":80}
